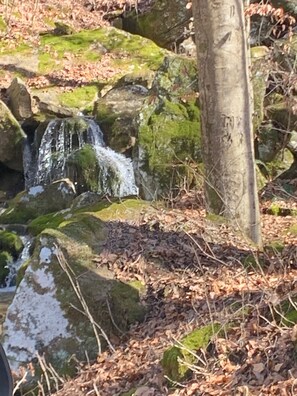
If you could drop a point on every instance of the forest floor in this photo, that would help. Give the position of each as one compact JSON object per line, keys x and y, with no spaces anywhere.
{"x":198,"y":272}
{"x":195,"y":272}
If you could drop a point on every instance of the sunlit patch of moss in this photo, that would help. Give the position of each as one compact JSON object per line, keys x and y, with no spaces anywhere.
{"x":253,"y":262}
{"x":21,"y":272}
{"x":138,"y":285}
{"x":5,"y":259}
{"x":11,"y":242}
{"x":3,"y":25}
{"x":285,"y":313}
{"x":83,"y":44}
{"x":173,"y":358}
{"x":127,"y":209}
{"x":274,"y":247}
{"x":81,"y":97}
{"x":293,"y":229}
{"x":51,"y":220}
{"x":169,"y":137}
{"x":216,"y":218}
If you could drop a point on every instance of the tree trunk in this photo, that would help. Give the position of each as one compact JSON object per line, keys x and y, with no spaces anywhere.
{"x":226,"y":113}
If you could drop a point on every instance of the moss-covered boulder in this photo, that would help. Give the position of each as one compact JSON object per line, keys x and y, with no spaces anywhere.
{"x":5,"y":260}
{"x":11,"y":242}
{"x":12,"y":137}
{"x":260,"y":73}
{"x":39,"y":200}
{"x":19,"y":99}
{"x":75,"y":303}
{"x":164,"y":22}
{"x":176,"y":360}
{"x":117,"y":110}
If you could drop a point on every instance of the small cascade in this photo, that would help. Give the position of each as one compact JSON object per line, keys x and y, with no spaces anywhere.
{"x":62,"y":137}
{"x":14,"y":266}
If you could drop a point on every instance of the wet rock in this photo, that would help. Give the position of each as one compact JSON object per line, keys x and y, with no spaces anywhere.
{"x":12,"y":137}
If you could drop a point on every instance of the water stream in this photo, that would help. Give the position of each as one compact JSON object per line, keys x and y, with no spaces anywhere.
{"x":46,"y":161}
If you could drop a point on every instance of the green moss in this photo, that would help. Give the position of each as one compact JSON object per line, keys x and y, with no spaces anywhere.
{"x":140,"y":51}
{"x":274,"y":247}
{"x":125,"y":298}
{"x":253,"y":262}
{"x":85,"y":228}
{"x":285,"y":313}
{"x":11,"y":243}
{"x":275,"y":209}
{"x":293,"y":229}
{"x":173,"y":357}
{"x":170,"y":138}
{"x":51,"y":220}
{"x":81,"y":97}
{"x":5,"y":259}
{"x":83,"y":169}
{"x":3,"y":25}
{"x":127,"y":209}
{"x":21,"y":272}
{"x":216,"y":218}
{"x":138,"y":285}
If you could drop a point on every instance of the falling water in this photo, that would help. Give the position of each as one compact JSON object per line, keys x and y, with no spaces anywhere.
{"x":63,"y":137}
{"x":16,"y":265}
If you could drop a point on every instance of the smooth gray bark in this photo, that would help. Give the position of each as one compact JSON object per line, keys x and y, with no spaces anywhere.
{"x":226,"y":113}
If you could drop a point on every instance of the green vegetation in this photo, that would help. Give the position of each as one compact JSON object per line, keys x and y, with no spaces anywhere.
{"x":170,"y":137}
{"x":3,"y":25}
{"x":88,"y":45}
{"x":11,"y":242}
{"x":81,"y":97}
{"x":5,"y":259}
{"x":185,"y":351}
{"x":51,"y":220}
{"x":82,"y":168}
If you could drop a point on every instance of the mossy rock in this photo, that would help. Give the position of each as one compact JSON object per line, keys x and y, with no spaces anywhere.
{"x":169,"y":141}
{"x":164,"y":22}
{"x":46,"y":278}
{"x":276,"y":209}
{"x":38,"y":201}
{"x":12,"y":138}
{"x":274,"y":247}
{"x":5,"y":259}
{"x":50,"y":220}
{"x":172,"y":361}
{"x":21,"y":272}
{"x":11,"y":242}
{"x":83,"y":169}
{"x":3,"y":25}
{"x":81,"y":98}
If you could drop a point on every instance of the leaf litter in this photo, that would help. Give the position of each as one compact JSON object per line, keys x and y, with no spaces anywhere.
{"x":194,"y":274}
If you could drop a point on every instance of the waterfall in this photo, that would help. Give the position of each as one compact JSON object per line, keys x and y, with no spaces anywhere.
{"x":16,"y":265}
{"x":61,"y":139}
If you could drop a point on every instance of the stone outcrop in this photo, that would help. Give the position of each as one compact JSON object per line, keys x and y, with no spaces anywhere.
{"x":65,"y":306}
{"x":12,"y":137}
{"x":19,"y":99}
{"x":164,"y":23}
{"x":39,"y":200}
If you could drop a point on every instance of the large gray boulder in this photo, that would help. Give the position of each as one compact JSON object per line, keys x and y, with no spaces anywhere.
{"x":19,"y":99}
{"x":39,"y":200}
{"x":65,"y":307}
{"x":11,"y":137}
{"x":164,"y":23}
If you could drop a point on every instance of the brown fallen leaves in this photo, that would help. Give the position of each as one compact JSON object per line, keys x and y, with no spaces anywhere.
{"x":190,"y":284}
